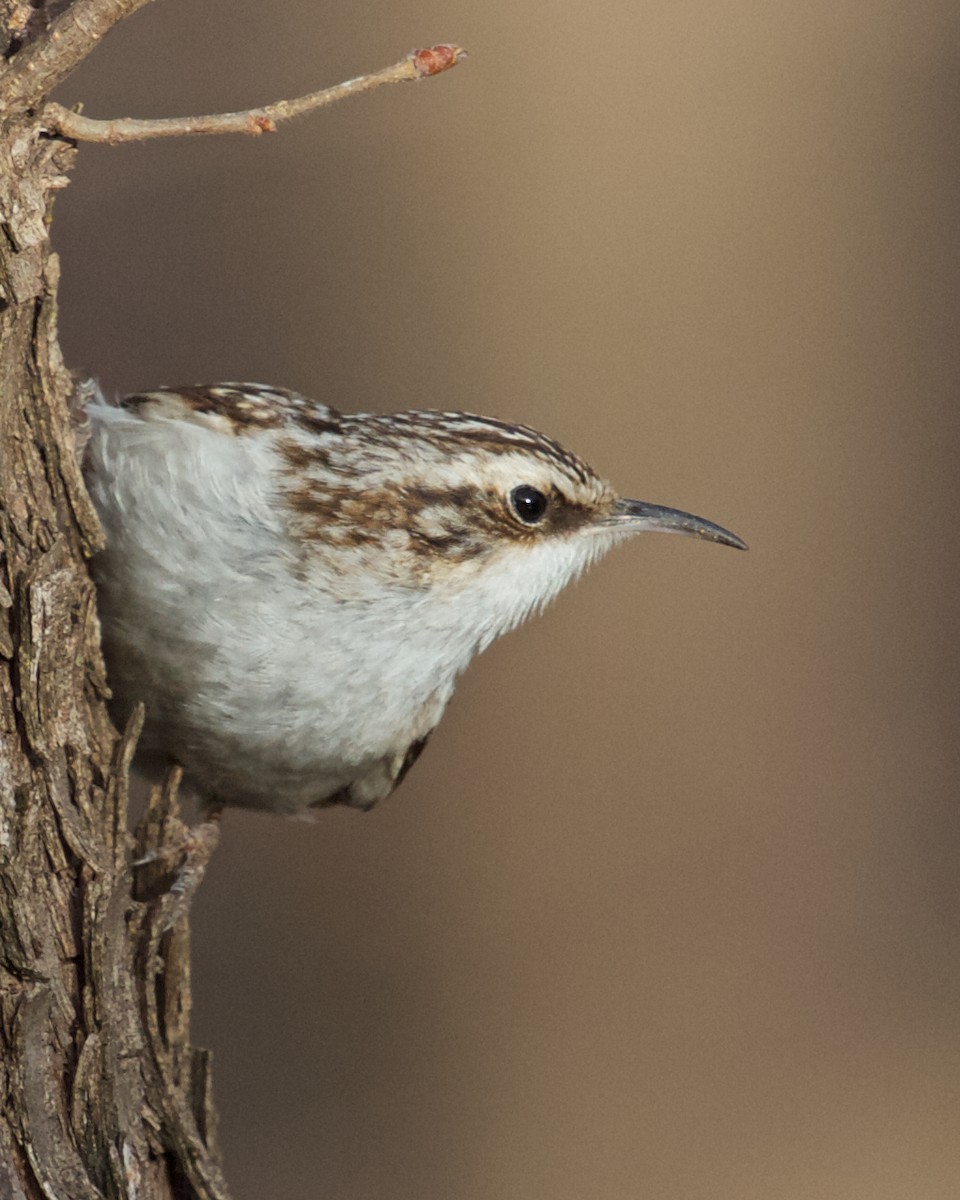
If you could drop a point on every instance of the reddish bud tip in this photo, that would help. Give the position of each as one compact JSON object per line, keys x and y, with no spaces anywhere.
{"x":436,"y":59}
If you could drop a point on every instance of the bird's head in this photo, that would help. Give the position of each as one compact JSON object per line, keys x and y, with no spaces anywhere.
{"x":491,"y":515}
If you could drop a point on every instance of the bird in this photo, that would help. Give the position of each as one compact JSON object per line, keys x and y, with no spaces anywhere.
{"x":293,"y":591}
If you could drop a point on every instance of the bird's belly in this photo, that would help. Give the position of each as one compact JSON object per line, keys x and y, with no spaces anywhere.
{"x":286,"y":732}
{"x":269,"y":693}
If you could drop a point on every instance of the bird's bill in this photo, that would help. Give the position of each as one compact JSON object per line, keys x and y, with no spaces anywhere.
{"x":638,"y":516}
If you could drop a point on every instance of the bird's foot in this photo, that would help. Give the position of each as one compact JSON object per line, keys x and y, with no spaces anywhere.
{"x":172,"y":856}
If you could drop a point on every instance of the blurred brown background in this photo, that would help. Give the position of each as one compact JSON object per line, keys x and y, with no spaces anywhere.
{"x":670,"y":908}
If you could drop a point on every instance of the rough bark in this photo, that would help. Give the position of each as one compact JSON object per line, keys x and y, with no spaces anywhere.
{"x":102,"y":1095}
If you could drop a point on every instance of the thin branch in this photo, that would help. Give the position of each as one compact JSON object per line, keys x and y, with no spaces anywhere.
{"x":36,"y":70}
{"x":418,"y":65}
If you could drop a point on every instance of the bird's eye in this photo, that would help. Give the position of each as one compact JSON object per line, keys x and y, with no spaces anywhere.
{"x":528,"y":503}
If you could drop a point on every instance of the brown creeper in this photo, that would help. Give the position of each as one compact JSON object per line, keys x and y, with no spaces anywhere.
{"x":293,"y":591}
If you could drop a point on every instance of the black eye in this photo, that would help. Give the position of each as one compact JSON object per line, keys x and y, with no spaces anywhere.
{"x":528,"y":503}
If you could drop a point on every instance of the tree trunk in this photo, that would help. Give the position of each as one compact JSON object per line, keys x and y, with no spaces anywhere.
{"x":102,"y":1094}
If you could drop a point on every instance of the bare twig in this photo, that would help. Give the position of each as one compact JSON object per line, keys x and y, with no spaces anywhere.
{"x":417,"y":65}
{"x":37,"y":69}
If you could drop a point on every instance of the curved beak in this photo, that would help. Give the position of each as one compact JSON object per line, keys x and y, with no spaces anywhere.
{"x":637,"y":515}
